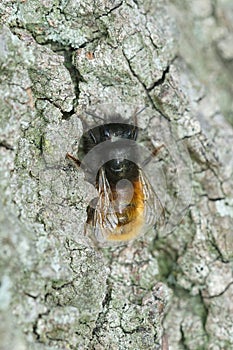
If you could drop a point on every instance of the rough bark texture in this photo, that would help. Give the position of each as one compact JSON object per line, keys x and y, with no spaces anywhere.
{"x":56,"y":58}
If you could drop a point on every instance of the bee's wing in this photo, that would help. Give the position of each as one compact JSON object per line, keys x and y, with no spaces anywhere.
{"x":153,"y":208}
{"x":105,"y":219}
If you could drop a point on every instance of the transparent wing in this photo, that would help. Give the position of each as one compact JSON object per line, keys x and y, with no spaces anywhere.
{"x":105,"y":219}
{"x":153,"y":208}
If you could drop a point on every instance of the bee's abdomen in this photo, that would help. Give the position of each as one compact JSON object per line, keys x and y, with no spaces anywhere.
{"x":131,"y":217}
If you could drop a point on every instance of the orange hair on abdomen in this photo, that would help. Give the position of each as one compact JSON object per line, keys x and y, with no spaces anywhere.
{"x":134,"y":215}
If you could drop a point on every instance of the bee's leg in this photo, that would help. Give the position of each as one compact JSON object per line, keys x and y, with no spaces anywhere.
{"x":153,"y":154}
{"x":75,"y":160}
{"x":89,"y":221}
{"x":156,"y":150}
{"x":90,"y":214}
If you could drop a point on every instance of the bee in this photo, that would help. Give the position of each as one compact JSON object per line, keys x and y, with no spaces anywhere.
{"x":126,"y":205}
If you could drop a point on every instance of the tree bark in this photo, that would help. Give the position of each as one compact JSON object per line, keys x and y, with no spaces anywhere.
{"x":173,"y":286}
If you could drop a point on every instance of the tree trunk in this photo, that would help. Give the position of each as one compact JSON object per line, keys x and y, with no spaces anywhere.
{"x":172,"y":66}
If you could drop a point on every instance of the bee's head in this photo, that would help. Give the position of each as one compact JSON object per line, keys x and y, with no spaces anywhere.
{"x":117,"y":131}
{"x":117,"y":169}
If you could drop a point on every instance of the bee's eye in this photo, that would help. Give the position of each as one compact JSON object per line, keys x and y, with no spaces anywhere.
{"x":106,"y":133}
{"x":129,"y":134}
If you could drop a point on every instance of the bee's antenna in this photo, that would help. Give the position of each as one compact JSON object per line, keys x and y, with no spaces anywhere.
{"x":85,"y":124}
{"x":94,"y":115}
{"x":136,"y":113}
{"x":140,"y":111}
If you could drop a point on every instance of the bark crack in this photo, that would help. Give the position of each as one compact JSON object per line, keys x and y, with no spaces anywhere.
{"x":161,"y":80}
{"x":6,"y":145}
{"x":145,"y":88}
{"x":219,"y":294}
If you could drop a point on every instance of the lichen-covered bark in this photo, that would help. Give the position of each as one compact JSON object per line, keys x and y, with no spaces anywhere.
{"x":57,"y":58}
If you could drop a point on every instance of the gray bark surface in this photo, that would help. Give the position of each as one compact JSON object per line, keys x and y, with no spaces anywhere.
{"x":167,"y":287}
